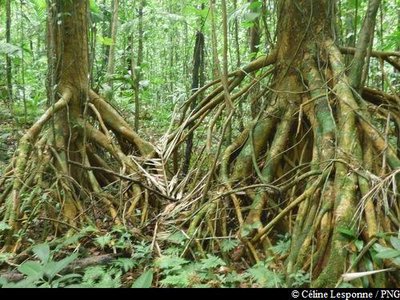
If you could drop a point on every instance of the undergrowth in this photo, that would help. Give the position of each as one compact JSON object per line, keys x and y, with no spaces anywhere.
{"x":136,"y":263}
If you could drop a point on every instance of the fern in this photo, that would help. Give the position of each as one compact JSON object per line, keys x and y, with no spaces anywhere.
{"x":300,"y":278}
{"x":125,"y":264}
{"x":282,"y":246}
{"x":211,"y":262}
{"x":103,"y":240}
{"x":262,"y":276}
{"x":232,"y":278}
{"x":228,"y":245}
{"x":181,"y":280}
{"x":99,"y":277}
{"x":170,"y":263}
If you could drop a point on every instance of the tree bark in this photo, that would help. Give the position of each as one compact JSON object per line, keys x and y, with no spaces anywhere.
{"x":8,"y":58}
{"x":111,"y":55}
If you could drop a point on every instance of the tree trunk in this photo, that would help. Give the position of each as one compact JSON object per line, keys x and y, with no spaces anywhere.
{"x":300,"y":152}
{"x":197,"y":83}
{"x":111,"y":54}
{"x":68,"y":151}
{"x":138,"y":69}
{"x":8,"y":58}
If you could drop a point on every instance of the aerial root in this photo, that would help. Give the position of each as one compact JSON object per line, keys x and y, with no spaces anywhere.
{"x":69,"y":189}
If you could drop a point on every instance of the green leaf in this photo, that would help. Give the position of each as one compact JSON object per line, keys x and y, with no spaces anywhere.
{"x":395,"y":242}
{"x":396,"y":260}
{"x":42,"y":251}
{"x":31,"y":269}
{"x":61,"y":281}
{"x":144,"y":280}
{"x":54,"y":267}
{"x":347,"y":232}
{"x":390,"y":253}
{"x":28,"y":282}
{"x":359,"y":245}
{"x":379,"y":248}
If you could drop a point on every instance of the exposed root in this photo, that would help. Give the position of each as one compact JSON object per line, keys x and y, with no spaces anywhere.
{"x":314,"y":163}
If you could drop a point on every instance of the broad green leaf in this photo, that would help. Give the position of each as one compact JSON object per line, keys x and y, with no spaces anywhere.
{"x":395,"y":242}
{"x":396,"y":260}
{"x":54,"y":267}
{"x":42,"y":251}
{"x":390,"y":253}
{"x":359,"y":245}
{"x":379,"y":248}
{"x":61,"y":281}
{"x":28,"y":282}
{"x":144,"y":280}
{"x":349,"y":233}
{"x":31,"y":269}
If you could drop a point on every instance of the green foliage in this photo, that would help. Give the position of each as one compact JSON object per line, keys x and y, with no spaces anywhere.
{"x":45,"y":272}
{"x":100,"y":277}
{"x":119,"y":238}
{"x":282,"y":246}
{"x":392,"y":254}
{"x":211,"y":262}
{"x":262,"y":276}
{"x":300,"y":279}
{"x":170,"y":264}
{"x":348,"y":232}
{"x":229,"y":244}
{"x":144,"y":280}
{"x":10,"y":50}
